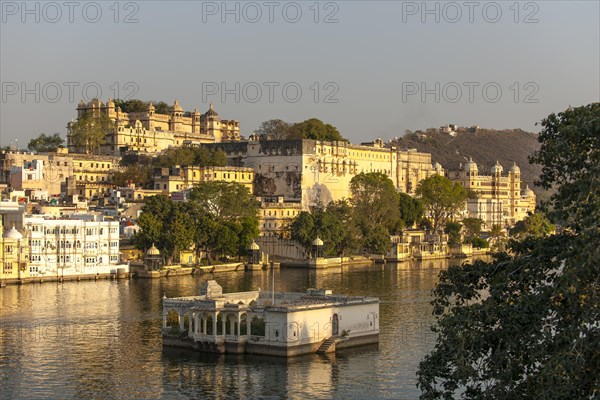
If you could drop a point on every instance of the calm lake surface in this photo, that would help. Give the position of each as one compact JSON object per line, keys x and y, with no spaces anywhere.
{"x":101,"y":340}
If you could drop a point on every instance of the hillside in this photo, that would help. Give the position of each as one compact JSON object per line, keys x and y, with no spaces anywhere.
{"x":485,"y":146}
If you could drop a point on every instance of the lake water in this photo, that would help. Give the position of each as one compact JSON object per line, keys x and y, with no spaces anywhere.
{"x":102,"y":340}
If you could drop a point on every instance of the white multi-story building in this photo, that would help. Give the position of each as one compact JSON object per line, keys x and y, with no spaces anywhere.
{"x":81,"y":244}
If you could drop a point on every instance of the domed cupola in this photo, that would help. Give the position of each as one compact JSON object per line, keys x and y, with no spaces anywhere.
{"x":211,"y":112}
{"x":471,"y":165}
{"x":497,"y":169}
{"x":515,"y":169}
{"x":153,"y":251}
{"x":528,"y":192}
{"x":13,"y":234}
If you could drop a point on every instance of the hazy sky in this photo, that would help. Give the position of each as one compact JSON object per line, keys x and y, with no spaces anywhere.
{"x":371,"y":68}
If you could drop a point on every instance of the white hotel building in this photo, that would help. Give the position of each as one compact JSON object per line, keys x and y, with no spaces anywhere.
{"x":78,"y":245}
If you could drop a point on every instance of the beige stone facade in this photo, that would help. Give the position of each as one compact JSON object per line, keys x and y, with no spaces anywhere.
{"x":149,"y":132}
{"x":180,"y":178}
{"x":14,"y":253}
{"x":35,"y":172}
{"x":92,"y":175}
{"x":58,"y":173}
{"x":315,"y":172}
{"x":275,"y":215}
{"x":500,"y":200}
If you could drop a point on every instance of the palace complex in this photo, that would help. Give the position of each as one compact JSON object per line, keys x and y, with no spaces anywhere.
{"x":313,"y":171}
{"x":150,"y":132}
{"x":46,"y":197}
{"x":500,"y":199}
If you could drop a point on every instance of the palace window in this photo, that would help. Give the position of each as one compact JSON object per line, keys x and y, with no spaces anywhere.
{"x":7,"y":267}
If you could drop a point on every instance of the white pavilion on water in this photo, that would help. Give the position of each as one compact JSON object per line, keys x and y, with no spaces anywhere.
{"x":258,"y":322}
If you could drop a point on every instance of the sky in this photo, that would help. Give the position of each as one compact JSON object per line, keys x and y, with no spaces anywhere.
{"x":370,"y":68}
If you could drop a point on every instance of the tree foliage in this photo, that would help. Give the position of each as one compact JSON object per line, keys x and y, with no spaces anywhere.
{"x":526,"y":325}
{"x":45,"y":143}
{"x":533,"y":225}
{"x":333,"y":224}
{"x":232,"y":212}
{"x":138,"y":174}
{"x":135,"y":105}
{"x":452,"y":229}
{"x":89,"y":132}
{"x":138,"y":168}
{"x":411,"y":209}
{"x":275,"y":129}
{"x":312,"y":128}
{"x":472,"y":227}
{"x":375,"y":200}
{"x":376,"y":209}
{"x":316,"y":129}
{"x":220,"y":218}
{"x":441,"y":198}
{"x":198,"y":156}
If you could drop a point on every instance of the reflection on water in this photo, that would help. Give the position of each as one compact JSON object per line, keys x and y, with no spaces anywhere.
{"x":102,"y":340}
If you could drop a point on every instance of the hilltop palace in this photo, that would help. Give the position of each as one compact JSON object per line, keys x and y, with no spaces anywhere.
{"x":150,"y":132}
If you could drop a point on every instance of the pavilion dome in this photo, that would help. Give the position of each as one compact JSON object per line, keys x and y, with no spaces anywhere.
{"x":471,"y":166}
{"x":317,"y":242}
{"x":13,"y":234}
{"x":153,"y":251}
{"x":515,"y":169}
{"x":497,"y":169}
{"x":211,"y":111}
{"x":528,"y":192}
{"x":253,"y":246}
{"x":177,"y":107}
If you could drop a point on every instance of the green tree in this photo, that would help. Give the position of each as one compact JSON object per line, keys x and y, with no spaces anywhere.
{"x":274,"y":129}
{"x":198,"y":156}
{"x":303,"y":229}
{"x":89,"y":132}
{"x":136,"y":105}
{"x":452,"y":229}
{"x":375,"y":202}
{"x":45,"y":143}
{"x":138,"y":174}
{"x":377,"y":239}
{"x":345,"y":235}
{"x":334,"y":225}
{"x":472,"y":227}
{"x":131,"y":105}
{"x":479,"y":243}
{"x":526,"y":325}
{"x":411,"y":209}
{"x":315,"y":129}
{"x":176,"y":156}
{"x":441,"y":198}
{"x":153,"y":222}
{"x":179,"y":234}
{"x":533,"y":225}
{"x":231,"y":211}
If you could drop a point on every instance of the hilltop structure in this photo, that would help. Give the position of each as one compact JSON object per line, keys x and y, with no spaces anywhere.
{"x":149,"y":132}
{"x":500,"y":200}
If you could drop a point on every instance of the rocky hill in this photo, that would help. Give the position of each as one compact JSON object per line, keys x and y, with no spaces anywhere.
{"x":485,"y":146}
